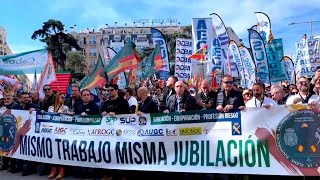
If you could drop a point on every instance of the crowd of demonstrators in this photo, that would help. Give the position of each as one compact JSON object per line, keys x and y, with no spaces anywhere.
{"x":150,"y":97}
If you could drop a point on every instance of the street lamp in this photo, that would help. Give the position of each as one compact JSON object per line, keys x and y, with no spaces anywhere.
{"x":306,"y":22}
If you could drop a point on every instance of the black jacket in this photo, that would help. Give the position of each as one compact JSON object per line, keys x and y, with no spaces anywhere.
{"x":148,"y":106}
{"x":46,"y":103}
{"x":89,"y":109}
{"x":188,"y":103}
{"x":76,"y":107}
{"x":27,"y":107}
{"x":233,"y":98}
{"x":12,"y":106}
{"x":118,"y":106}
{"x":210,"y":98}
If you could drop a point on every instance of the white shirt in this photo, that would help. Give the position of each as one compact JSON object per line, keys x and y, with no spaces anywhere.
{"x":254,"y":102}
{"x":293,"y":97}
{"x":133,"y":101}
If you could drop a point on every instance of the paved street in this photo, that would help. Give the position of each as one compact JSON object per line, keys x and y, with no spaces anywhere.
{"x":6,"y":175}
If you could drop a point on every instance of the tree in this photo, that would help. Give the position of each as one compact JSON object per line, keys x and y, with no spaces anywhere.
{"x":76,"y":62}
{"x":58,"y":42}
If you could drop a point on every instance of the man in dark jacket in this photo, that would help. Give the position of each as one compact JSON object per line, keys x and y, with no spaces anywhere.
{"x":206,"y":98}
{"x":75,"y":101}
{"x":147,"y":104}
{"x":168,"y":91}
{"x":115,"y":104}
{"x":87,"y":107}
{"x":48,"y":98}
{"x":25,"y":103}
{"x":228,"y":98}
{"x":180,"y":101}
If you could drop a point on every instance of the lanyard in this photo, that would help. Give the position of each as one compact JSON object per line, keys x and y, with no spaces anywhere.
{"x":255,"y":102}
{"x":304,"y":100}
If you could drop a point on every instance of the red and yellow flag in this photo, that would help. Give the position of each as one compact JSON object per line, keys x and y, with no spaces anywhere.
{"x":200,"y":54}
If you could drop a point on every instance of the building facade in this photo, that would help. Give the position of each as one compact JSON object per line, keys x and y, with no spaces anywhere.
{"x":115,"y":37}
{"x":91,"y":40}
{"x":4,"y":48}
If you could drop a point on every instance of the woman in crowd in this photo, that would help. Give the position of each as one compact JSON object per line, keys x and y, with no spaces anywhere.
{"x":58,"y":107}
{"x":247,"y":95}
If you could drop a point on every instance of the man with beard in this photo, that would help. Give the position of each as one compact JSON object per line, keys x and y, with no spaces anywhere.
{"x":75,"y":101}
{"x":228,"y":98}
{"x":206,"y":98}
{"x":304,"y":96}
{"x":279,"y":95}
{"x":259,"y":99}
{"x":115,"y":105}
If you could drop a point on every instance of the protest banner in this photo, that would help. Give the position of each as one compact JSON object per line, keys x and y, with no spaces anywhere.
{"x":307,"y":60}
{"x":282,"y":140}
{"x":23,"y":63}
{"x":183,"y":66}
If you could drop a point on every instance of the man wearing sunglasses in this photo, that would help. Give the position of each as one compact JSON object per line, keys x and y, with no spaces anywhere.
{"x":304,"y":96}
{"x":228,"y":98}
{"x":48,"y":98}
{"x":115,"y":105}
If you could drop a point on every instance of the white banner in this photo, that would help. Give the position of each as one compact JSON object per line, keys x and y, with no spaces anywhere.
{"x":183,"y":65}
{"x":223,"y":37}
{"x":23,"y":63}
{"x":48,"y":76}
{"x":288,"y":69}
{"x":201,"y":32}
{"x":281,"y":140}
{"x":249,"y":67}
{"x":234,"y":51}
{"x":264,"y":25}
{"x":307,"y":59}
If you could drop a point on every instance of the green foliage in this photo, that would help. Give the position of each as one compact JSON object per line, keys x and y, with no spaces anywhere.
{"x":57,"y":41}
{"x":76,"y":62}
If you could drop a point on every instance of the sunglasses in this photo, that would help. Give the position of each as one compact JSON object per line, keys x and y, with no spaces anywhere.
{"x":110,"y":90}
{"x":62,"y":97}
{"x":228,"y":82}
{"x":46,"y":89}
{"x":294,"y":93}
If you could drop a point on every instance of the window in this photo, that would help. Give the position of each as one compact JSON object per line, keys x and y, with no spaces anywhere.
{"x":93,"y":40}
{"x":83,"y":40}
{"x":91,"y":65}
{"x":93,"y":52}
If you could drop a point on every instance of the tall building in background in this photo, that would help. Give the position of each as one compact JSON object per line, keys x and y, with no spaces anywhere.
{"x":4,"y":48}
{"x":116,"y":37}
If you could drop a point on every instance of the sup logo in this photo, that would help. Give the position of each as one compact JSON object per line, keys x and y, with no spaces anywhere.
{"x":298,"y":138}
{"x":8,"y":130}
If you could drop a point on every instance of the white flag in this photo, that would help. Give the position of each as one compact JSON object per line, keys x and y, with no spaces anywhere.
{"x":48,"y":76}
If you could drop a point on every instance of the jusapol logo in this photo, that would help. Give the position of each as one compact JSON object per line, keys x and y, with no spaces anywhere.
{"x":102,"y":132}
{"x":60,"y":130}
{"x":150,"y":132}
{"x":142,"y":121}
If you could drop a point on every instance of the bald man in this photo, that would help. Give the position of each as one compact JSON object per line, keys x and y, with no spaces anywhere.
{"x":206,"y":98}
{"x":180,"y":101}
{"x":147,"y":104}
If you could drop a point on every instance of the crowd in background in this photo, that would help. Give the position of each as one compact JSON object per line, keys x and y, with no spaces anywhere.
{"x":150,"y":97}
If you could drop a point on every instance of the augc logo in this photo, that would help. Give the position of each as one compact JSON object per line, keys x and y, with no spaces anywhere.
{"x":150,"y":132}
